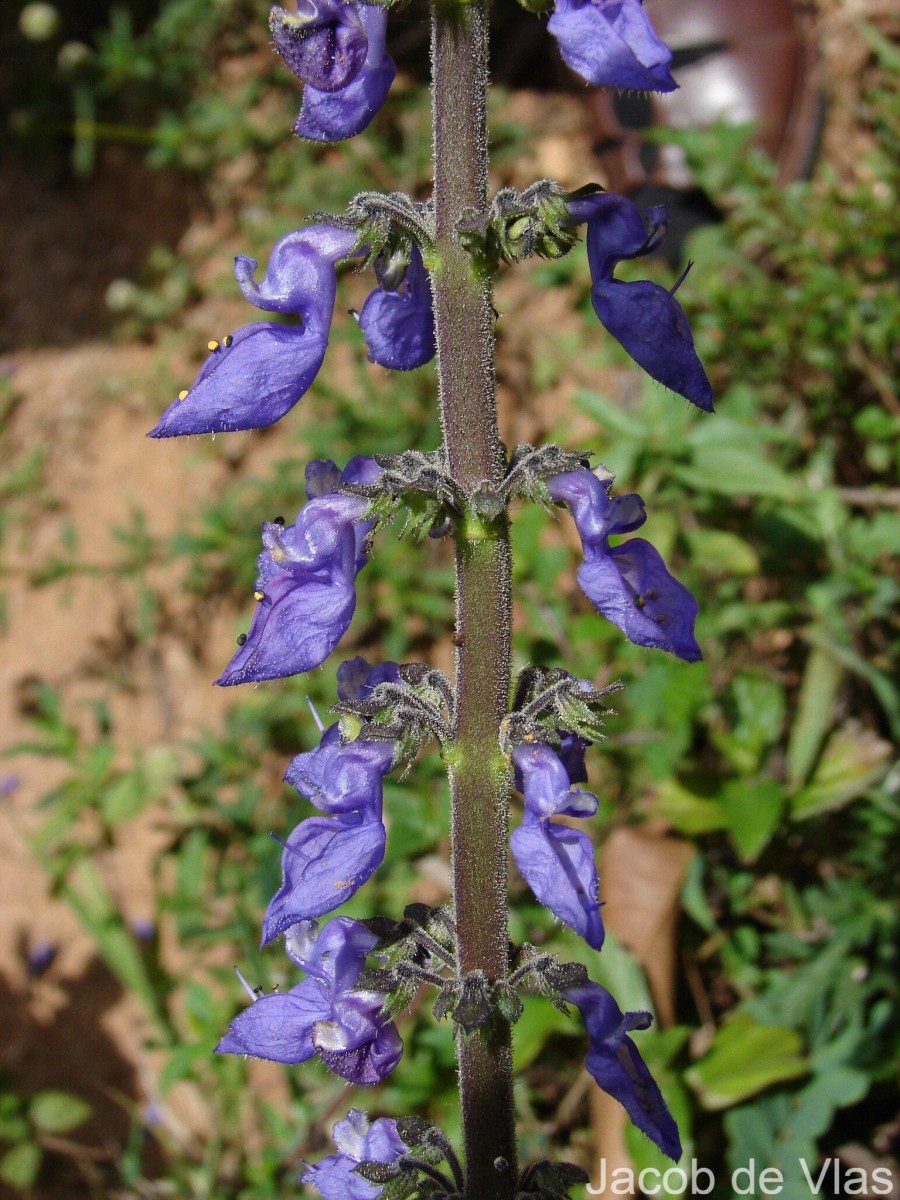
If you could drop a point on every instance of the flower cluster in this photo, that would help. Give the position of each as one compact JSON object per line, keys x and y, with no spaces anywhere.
{"x":306,"y":595}
{"x":323,"y":1014}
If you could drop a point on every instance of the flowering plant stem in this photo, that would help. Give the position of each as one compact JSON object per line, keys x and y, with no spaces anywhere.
{"x":479,"y":777}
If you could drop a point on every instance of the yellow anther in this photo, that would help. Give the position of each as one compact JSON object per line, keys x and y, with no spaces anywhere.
{"x":183,"y":394}
{"x":213,"y":345}
{"x":227,"y":340}
{"x":258,"y":596}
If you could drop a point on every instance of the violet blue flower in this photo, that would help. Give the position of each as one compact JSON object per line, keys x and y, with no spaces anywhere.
{"x":327,"y":859}
{"x":357,"y":1141}
{"x":398,"y":325}
{"x":330,"y":116}
{"x":305,"y":589}
{"x":322,"y":1014}
{"x":611,"y":43}
{"x":324,"y":43}
{"x":642,"y":316}
{"x":256,"y":375}
{"x":628,"y":584}
{"x":617,"y":1067}
{"x":556,"y":861}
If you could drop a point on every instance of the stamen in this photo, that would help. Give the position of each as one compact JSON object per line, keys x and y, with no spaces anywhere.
{"x":259,"y":596}
{"x":681,"y":278}
{"x":315,"y":716}
{"x":254,"y":994}
{"x":227,"y":340}
{"x":213,"y":345}
{"x":242,"y":639}
{"x":183,"y":394}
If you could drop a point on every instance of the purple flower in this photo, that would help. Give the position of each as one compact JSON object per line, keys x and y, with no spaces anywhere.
{"x":611,"y":43}
{"x":322,"y":1014}
{"x":324,"y":43}
{"x":616,"y":1065}
{"x":357,"y":1141}
{"x":628,"y":584}
{"x":342,"y":112}
{"x":556,"y":861}
{"x":643,"y":317}
{"x":41,"y":957}
{"x":305,"y":589}
{"x":256,"y":375}
{"x":327,"y":859}
{"x":398,"y":325}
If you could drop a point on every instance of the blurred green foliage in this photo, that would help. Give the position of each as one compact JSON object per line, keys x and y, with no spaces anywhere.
{"x":772,"y":757}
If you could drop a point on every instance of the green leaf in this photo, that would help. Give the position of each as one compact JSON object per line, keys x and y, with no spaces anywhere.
{"x":821,"y":679}
{"x":538,"y":1022}
{"x":752,"y":811}
{"x":58,"y":1112}
{"x":686,"y":811}
{"x":19,"y":1167}
{"x":852,"y":761}
{"x":612,"y":416}
{"x":735,"y":471}
{"x":744,"y":1059}
{"x":720,"y":552}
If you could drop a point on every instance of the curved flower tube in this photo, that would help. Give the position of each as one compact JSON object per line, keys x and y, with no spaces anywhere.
{"x":399,"y":325}
{"x":617,"y":1067}
{"x":556,"y":861}
{"x":644,"y":318}
{"x":357,"y":1141}
{"x":324,"y":43}
{"x":628,"y":584}
{"x":611,"y":43}
{"x":256,"y":375}
{"x":331,"y":116}
{"x":322,"y":1014}
{"x":305,"y":588}
{"x":327,"y":859}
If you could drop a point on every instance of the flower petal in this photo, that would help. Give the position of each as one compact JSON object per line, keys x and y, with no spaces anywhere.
{"x":295,"y":627}
{"x":611,"y":43}
{"x":399,"y":325}
{"x":332,"y":116}
{"x":279,"y":1027}
{"x":300,"y":274}
{"x":650,"y":324}
{"x":558,"y":865}
{"x":617,"y":1067}
{"x":631,"y":587}
{"x":334,"y":954}
{"x":325,"y":862}
{"x":343,"y":779}
{"x":251,"y":384}
{"x":371,"y":1062}
{"x":324,"y":43}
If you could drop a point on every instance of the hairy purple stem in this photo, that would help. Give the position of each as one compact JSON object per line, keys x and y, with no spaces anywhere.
{"x":479,"y":777}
